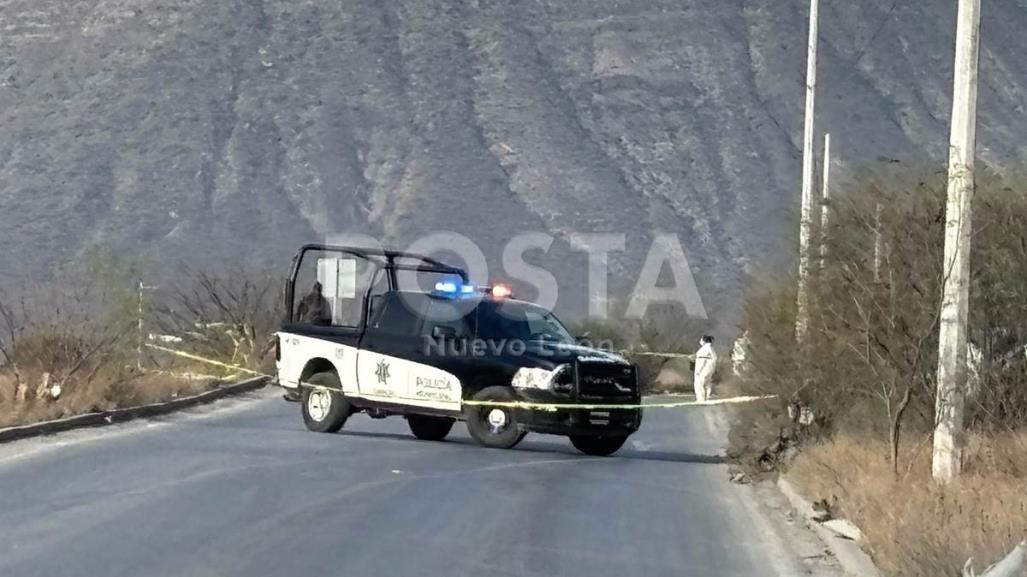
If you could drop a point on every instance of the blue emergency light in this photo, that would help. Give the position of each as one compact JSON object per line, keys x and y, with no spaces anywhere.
{"x":456,"y":289}
{"x":453,"y":289}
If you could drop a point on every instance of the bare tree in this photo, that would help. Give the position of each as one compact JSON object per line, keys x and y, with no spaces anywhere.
{"x":7,"y":333}
{"x":229,"y":316}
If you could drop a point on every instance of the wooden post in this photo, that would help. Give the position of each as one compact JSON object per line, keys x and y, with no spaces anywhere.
{"x":140,"y":337}
{"x":139,"y":329}
{"x":825,"y":200}
{"x":878,"y":242}
{"x":806,"y":216}
{"x":949,"y":403}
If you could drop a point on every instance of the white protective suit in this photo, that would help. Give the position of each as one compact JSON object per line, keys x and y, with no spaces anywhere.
{"x":705,"y":364}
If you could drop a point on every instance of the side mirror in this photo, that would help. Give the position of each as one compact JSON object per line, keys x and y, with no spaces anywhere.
{"x":584,"y":340}
{"x":442,"y":332}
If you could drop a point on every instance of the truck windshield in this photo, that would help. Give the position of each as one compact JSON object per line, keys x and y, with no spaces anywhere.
{"x":511,"y":320}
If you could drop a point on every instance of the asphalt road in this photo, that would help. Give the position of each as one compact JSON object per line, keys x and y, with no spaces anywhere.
{"x":242,"y":489}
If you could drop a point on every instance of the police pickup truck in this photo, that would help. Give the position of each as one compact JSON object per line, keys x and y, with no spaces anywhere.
{"x":363,"y":333}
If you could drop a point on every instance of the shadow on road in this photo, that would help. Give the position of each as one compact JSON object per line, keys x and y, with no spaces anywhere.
{"x":554,"y":449}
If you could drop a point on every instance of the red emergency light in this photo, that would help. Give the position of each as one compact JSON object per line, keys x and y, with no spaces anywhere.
{"x":501,"y":291}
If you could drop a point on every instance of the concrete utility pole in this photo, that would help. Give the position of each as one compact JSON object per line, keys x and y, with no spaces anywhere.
{"x":806,"y":217}
{"x":825,"y":200}
{"x":948,"y":411}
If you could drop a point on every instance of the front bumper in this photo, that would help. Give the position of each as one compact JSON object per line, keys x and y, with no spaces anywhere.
{"x":597,"y":422}
{"x":581,"y":421}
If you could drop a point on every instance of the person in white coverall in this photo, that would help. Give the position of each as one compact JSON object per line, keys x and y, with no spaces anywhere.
{"x":705,"y":364}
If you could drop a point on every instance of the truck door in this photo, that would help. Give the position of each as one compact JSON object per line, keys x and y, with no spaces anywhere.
{"x":388,"y":346}
{"x":447,"y":333}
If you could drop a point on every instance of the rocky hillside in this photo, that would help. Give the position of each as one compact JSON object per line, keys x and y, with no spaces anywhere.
{"x":232,"y":130}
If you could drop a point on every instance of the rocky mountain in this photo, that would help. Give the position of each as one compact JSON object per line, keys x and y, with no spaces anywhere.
{"x":230,"y":131}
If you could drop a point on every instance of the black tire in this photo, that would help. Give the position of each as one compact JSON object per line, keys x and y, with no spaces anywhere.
{"x":598,"y":446}
{"x":484,"y":425}
{"x":429,"y":428}
{"x":316,"y":416}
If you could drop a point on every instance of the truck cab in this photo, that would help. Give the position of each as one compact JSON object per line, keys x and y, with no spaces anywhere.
{"x":391,"y":333}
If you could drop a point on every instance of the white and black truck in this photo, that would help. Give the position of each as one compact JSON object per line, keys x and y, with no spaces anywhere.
{"x":362,"y":333}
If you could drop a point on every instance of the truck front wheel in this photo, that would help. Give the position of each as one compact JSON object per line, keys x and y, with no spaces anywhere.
{"x":598,"y":446}
{"x":325,"y":408}
{"x":494,"y":426}
{"x":428,"y":428}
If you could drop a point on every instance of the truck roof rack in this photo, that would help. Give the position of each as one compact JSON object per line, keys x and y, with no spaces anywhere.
{"x":390,"y":260}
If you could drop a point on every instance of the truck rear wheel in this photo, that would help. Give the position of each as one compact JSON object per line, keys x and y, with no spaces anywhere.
{"x":494,"y":427}
{"x":325,"y":410}
{"x":598,"y":446}
{"x":429,"y":428}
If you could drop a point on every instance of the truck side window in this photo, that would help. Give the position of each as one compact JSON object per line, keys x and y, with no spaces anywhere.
{"x":448,"y":314}
{"x":330,"y":287}
{"x":397,"y":316}
{"x":376,"y":297}
{"x":375,"y":308}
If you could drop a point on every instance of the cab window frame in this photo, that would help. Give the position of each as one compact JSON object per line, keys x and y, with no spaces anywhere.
{"x":364,"y":295}
{"x":391,"y":300}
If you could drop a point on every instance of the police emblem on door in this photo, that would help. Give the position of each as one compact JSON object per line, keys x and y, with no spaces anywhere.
{"x":382,"y":372}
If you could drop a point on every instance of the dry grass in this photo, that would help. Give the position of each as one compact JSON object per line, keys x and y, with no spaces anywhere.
{"x":913,"y":527}
{"x":866,"y":374}
{"x":80,"y":334}
{"x":106,"y":392}
{"x":94,"y":374}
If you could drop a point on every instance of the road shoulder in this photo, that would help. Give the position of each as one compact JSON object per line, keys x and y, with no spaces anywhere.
{"x":850,"y":556}
{"x":103,"y":418}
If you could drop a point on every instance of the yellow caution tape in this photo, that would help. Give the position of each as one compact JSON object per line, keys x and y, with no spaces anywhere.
{"x":652,"y":354}
{"x":617,"y":407}
{"x":549,"y":407}
{"x":186,"y":376}
{"x":198,"y":358}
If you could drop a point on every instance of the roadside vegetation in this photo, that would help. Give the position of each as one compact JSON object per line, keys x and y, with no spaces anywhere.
{"x":667,"y":329}
{"x":75,"y":344}
{"x":856,"y":413}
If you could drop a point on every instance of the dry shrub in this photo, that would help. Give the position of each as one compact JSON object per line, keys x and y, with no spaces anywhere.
{"x":867,"y":371}
{"x":913,"y":526}
{"x":68,"y":334}
{"x":80,"y":332}
{"x":868,"y":364}
{"x":665,"y":329}
{"x":227,"y":316}
{"x":104,"y":393}
{"x":75,"y":333}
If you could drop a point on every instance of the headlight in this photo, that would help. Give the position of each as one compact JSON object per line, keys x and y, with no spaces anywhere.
{"x":534,"y":378}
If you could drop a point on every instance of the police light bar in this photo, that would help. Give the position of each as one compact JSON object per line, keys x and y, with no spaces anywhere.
{"x":453,"y":289}
{"x":446,"y":287}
